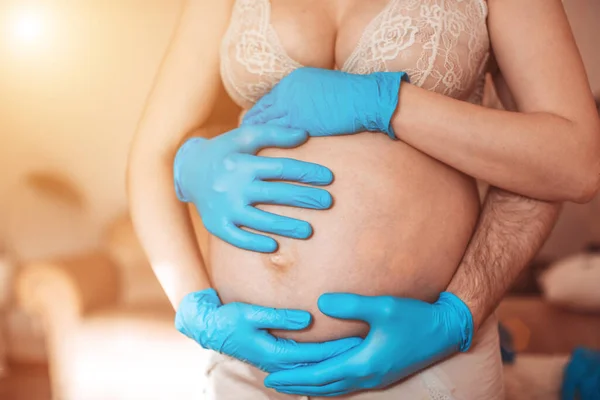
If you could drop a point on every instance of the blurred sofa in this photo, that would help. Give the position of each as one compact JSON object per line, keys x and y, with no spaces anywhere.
{"x":109,"y":326}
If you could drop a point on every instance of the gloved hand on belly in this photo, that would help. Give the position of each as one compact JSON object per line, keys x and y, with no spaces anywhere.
{"x":240,"y":330}
{"x":405,"y":336}
{"x":224,"y":180}
{"x":327,"y":102}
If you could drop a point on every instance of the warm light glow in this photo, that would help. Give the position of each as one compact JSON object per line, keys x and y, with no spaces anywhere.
{"x":28,"y":27}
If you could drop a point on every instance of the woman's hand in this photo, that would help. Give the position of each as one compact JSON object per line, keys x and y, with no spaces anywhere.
{"x":240,"y":330}
{"x":326,"y":102}
{"x":224,"y":180}
{"x":406,"y":336}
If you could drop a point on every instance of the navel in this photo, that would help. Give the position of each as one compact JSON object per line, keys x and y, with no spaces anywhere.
{"x":283,"y":259}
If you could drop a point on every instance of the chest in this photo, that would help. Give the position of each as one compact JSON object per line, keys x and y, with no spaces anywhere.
{"x":322,"y":33}
{"x":441,"y":44}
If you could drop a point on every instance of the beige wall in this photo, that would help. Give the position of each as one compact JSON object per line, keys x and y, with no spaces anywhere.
{"x":580,"y":224}
{"x":585,"y":22}
{"x":72,"y":108}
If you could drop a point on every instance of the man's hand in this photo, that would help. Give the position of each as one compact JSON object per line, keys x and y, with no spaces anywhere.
{"x":406,"y":335}
{"x":240,"y":331}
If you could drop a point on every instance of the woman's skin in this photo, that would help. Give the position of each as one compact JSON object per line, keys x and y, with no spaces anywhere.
{"x":550,"y":149}
{"x":180,"y":102}
{"x":399,"y":226}
{"x":182,"y":99}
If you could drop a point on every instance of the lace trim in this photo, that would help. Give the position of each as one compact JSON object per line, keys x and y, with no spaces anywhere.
{"x":434,"y":28}
{"x":434,"y":386}
{"x":444,"y":41}
{"x":257,"y":48}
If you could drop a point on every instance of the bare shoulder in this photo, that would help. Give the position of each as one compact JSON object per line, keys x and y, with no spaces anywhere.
{"x":209,"y":10}
{"x":187,"y":84}
{"x":204,"y":21}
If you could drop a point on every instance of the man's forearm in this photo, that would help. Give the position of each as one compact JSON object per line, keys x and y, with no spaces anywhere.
{"x":510,"y":231}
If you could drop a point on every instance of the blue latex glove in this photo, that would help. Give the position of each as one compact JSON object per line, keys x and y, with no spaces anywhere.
{"x":326,"y":102}
{"x":224,"y":180}
{"x":405,"y":336}
{"x":240,"y":330}
{"x":582,"y":376}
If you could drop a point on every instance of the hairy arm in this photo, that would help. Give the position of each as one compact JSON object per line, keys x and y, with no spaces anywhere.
{"x":510,"y":231}
{"x":550,"y":149}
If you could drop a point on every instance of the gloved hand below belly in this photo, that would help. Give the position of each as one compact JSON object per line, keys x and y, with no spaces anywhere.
{"x":240,"y":330}
{"x":405,"y":336}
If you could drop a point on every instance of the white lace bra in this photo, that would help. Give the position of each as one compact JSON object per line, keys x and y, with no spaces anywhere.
{"x":442,"y":45}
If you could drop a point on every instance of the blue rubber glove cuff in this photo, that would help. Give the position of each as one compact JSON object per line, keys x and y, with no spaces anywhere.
{"x":388,"y":86}
{"x":464,"y":316}
{"x":177,"y":165}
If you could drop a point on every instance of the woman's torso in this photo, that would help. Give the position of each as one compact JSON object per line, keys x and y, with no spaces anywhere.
{"x":401,"y":220}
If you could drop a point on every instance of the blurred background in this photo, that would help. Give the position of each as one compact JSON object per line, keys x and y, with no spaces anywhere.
{"x":81,"y":315}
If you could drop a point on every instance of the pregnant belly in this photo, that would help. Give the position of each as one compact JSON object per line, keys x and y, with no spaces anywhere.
{"x":399,"y":226}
